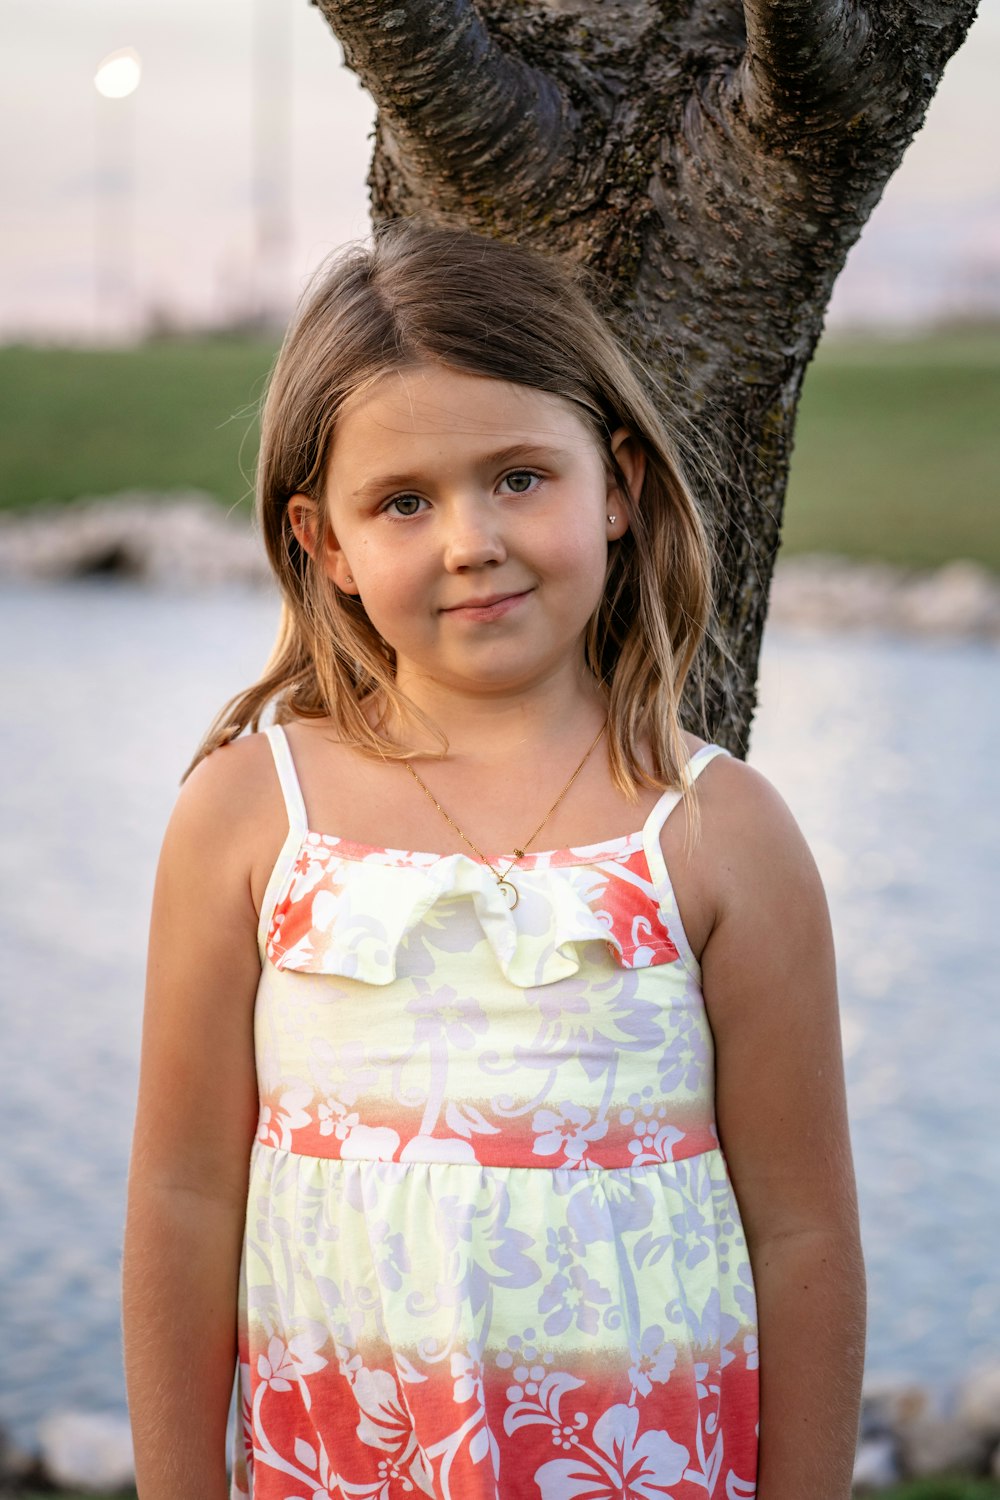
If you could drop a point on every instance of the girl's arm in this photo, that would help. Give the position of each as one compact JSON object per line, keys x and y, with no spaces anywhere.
{"x":194,"y":1125}
{"x":770,"y":988}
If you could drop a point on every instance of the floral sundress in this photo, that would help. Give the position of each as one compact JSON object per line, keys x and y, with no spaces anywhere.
{"x":492,"y":1248}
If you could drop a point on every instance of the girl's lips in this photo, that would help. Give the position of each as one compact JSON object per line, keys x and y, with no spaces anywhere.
{"x":488,"y":611}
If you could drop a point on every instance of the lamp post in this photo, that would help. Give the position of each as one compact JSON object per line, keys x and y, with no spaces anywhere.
{"x":271,"y":105}
{"x":116,"y":80}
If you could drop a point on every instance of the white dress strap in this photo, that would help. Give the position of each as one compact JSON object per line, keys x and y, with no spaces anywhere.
{"x":654,"y":853}
{"x":295,"y":806}
{"x":298,"y":827}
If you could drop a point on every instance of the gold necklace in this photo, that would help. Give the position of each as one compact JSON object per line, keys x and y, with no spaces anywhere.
{"x":510,"y":892}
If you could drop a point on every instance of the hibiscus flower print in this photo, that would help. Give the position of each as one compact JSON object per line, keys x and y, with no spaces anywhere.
{"x":385,"y":1421}
{"x":607,"y":1204}
{"x":334,"y":1119}
{"x":576,"y":1296}
{"x":652,"y":1360}
{"x":693,"y":1235}
{"x":441,"y":1010}
{"x":284,"y":1364}
{"x":684,"y":1062}
{"x":467,"y":1371}
{"x":569,"y":1129}
{"x":563,"y":1248}
{"x":620,"y":1465}
{"x":713,"y":1328}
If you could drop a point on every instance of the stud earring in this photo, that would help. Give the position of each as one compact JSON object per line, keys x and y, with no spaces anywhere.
{"x":349,"y":578}
{"x":612,"y":519}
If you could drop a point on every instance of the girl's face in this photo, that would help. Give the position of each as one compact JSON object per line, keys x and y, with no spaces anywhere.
{"x":471,"y":516}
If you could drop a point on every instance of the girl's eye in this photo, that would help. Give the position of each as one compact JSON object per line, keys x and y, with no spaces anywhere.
{"x":404,"y":500}
{"x":520,"y":480}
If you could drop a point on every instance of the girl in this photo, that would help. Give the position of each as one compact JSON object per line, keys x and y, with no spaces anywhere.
{"x":485,"y":1164}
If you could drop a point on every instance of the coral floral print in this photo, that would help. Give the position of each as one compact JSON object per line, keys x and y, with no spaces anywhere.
{"x":492,"y":1247}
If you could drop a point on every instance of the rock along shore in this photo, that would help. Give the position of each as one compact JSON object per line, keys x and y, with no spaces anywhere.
{"x":188,"y":541}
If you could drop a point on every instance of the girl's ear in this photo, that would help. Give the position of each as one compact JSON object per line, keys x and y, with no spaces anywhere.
{"x":630,"y":456}
{"x":307,"y":526}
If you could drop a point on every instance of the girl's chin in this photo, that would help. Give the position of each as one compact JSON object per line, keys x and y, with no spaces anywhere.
{"x":428,"y":685}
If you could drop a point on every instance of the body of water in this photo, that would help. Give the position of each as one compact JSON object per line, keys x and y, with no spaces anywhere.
{"x":884,"y":749}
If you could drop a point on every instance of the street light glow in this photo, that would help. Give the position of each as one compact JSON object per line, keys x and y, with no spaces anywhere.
{"x":118,"y":75}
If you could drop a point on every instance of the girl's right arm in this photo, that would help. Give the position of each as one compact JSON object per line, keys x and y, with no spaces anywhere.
{"x":194,"y":1126}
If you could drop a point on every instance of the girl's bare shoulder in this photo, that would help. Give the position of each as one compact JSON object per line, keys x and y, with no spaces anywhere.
{"x":749,"y":848}
{"x":233,"y":782}
{"x":743,"y":812}
{"x":759,"y":869}
{"x":728,"y":788}
{"x":230,"y":809}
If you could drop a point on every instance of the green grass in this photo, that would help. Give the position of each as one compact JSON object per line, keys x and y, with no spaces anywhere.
{"x":941,"y":1489}
{"x":897,"y":451}
{"x":170,"y":415}
{"x":944,"y":1489}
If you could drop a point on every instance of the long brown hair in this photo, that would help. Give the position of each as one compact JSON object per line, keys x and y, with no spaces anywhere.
{"x":418,"y":292}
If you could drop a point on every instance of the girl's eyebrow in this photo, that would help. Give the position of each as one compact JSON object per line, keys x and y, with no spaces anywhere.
{"x":381,"y":482}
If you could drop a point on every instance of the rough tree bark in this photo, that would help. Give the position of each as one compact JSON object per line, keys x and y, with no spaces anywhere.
{"x":712,"y":161}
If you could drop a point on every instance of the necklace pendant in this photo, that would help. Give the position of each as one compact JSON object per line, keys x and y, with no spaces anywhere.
{"x":507,"y":888}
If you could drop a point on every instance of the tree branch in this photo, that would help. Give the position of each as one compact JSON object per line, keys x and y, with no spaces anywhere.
{"x":459,"y":108}
{"x":805,"y":57}
{"x":822,"y":64}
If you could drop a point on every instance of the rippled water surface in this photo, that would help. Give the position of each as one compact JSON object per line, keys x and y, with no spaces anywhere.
{"x":884,"y":749}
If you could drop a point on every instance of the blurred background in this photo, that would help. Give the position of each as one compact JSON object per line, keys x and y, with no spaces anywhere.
{"x":172,"y":175}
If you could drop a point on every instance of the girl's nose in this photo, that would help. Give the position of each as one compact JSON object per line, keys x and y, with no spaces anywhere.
{"x":474,"y":539}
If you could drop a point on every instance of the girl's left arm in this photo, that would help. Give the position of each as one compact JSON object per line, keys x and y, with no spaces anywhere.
{"x":769,"y":981}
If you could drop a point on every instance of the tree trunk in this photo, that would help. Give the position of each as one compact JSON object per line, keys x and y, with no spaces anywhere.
{"x":711,"y":161}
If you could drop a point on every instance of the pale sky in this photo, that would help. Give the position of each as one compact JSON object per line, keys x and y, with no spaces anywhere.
{"x":176,"y":162}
